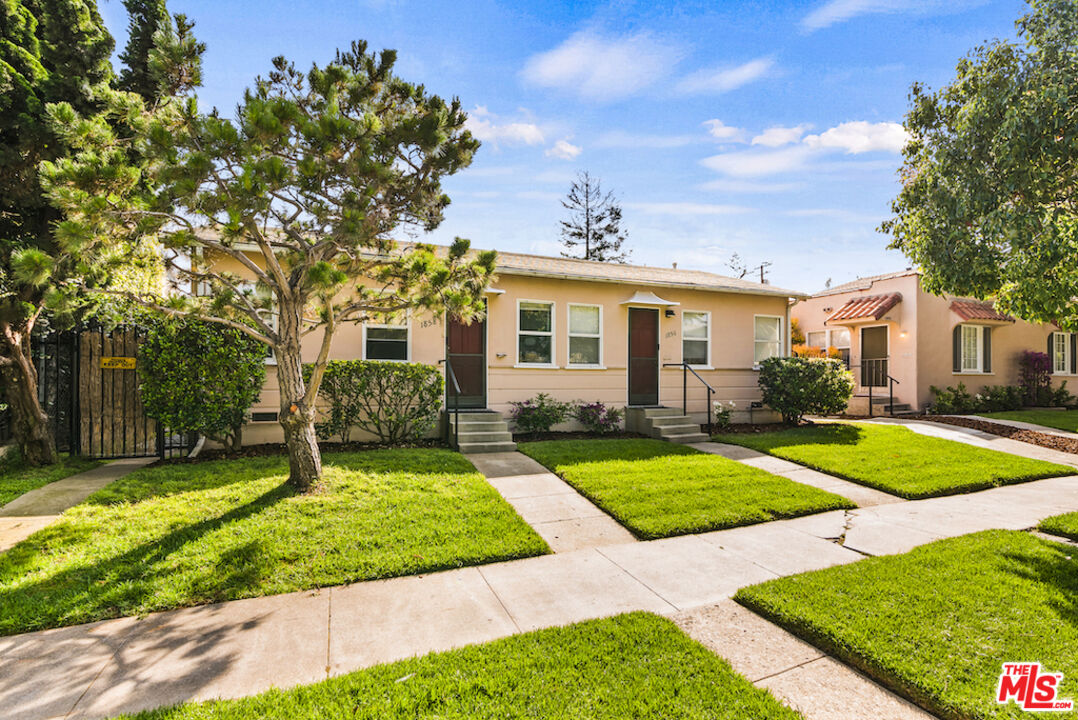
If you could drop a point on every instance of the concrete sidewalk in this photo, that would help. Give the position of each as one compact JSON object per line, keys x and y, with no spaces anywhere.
{"x":247,"y":646}
{"x":1024,"y":425}
{"x":39,"y":508}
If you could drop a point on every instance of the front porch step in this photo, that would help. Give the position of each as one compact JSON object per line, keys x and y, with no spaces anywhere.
{"x":664,"y":423}
{"x":480,"y":432}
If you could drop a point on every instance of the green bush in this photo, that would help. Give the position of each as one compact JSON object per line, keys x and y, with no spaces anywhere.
{"x":797,"y":386}
{"x":539,"y":414}
{"x":992,"y":398}
{"x":597,"y":417}
{"x":197,"y":376}
{"x":394,"y":401}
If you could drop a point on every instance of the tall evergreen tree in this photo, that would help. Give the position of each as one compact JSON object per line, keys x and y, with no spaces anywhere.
{"x":593,"y":230}
{"x":50,"y":51}
{"x":145,"y":18}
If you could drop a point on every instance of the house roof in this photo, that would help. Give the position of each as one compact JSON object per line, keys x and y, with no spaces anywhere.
{"x":975,"y":310}
{"x":570,"y":268}
{"x":863,"y":283}
{"x":871,"y":307}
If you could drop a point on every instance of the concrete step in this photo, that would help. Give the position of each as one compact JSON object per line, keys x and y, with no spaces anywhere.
{"x":687,"y":438}
{"x":668,"y":420}
{"x":657,"y":412}
{"x":681,"y":429}
{"x":474,"y":426}
{"x":485,"y":437}
{"x":483,"y":447}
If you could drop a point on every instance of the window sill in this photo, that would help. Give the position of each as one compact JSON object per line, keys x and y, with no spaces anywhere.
{"x":537,"y":366}
{"x":701,"y":367}
{"x":585,"y":367}
{"x":972,"y":372}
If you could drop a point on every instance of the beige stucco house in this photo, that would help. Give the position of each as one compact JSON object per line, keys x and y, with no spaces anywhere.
{"x":582,"y":330}
{"x":897,"y":336}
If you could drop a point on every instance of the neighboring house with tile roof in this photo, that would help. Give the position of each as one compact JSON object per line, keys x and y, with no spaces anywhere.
{"x":583,"y":330}
{"x":897,"y":336}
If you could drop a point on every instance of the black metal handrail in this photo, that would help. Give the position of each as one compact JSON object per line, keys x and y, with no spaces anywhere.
{"x":685,"y":370}
{"x":876,"y":364}
{"x":455,"y":386}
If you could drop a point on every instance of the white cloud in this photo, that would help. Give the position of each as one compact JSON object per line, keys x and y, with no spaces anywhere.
{"x":725,"y":79}
{"x":564,"y":150}
{"x":851,"y":137}
{"x":602,"y":68}
{"x":749,"y":186}
{"x":779,"y":136}
{"x":721,"y":131}
{"x":485,"y":126}
{"x":753,"y":163}
{"x":687,"y":208}
{"x":622,"y":139}
{"x":836,"y":11}
{"x":860,"y":137}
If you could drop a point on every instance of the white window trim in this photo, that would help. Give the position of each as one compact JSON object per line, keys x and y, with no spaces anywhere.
{"x":962,"y":370}
{"x":569,"y":334}
{"x":707,"y":314}
{"x":553,"y":335}
{"x":407,"y":325}
{"x":1066,"y":353}
{"x":782,"y":335}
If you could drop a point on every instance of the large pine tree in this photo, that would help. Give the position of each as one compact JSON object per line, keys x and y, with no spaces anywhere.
{"x":50,"y":51}
{"x":145,"y":17}
{"x":593,"y":230}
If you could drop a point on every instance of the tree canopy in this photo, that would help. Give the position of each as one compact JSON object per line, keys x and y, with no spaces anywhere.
{"x":285,"y":221}
{"x":989,"y":203}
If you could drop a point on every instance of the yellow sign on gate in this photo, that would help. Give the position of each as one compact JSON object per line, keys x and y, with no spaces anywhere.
{"x":117,"y":363}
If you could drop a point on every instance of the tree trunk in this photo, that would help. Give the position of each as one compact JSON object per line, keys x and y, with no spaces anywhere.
{"x":297,"y":420}
{"x":29,"y":422}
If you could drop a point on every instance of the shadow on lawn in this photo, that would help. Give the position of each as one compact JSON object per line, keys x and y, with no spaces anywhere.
{"x":815,"y":434}
{"x":1054,"y":567}
{"x":116,"y":586}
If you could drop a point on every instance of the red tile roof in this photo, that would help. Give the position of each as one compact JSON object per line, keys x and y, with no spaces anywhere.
{"x":862,"y":308}
{"x":974,"y":310}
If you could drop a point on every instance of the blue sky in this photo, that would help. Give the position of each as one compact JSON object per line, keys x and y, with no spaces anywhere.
{"x":769,"y":129}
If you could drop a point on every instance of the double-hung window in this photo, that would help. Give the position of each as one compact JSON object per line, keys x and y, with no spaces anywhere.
{"x":696,"y":338}
{"x":817,"y":339}
{"x":768,"y":338}
{"x":385,"y":342}
{"x":972,"y":344}
{"x":585,"y":335}
{"x":840,"y":340}
{"x":1061,"y":353}
{"x":535,"y":333}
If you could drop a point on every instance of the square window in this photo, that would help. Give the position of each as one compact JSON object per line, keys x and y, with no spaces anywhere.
{"x":387,"y":343}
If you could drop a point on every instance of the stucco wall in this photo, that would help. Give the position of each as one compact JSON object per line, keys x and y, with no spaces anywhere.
{"x":731,"y":347}
{"x":919,"y":333}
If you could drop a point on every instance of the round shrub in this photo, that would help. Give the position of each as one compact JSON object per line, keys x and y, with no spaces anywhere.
{"x":597,"y":417}
{"x":538,"y":414}
{"x":197,"y":376}
{"x":798,"y":386}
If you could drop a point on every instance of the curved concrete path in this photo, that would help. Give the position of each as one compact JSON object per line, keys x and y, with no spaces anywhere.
{"x":39,"y":508}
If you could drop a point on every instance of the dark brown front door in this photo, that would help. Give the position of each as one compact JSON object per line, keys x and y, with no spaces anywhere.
{"x":874,"y":356}
{"x":643,"y":356}
{"x":466,"y":350}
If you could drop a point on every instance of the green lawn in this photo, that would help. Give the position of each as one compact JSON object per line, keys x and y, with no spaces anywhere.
{"x":187,"y":534}
{"x":936,"y":623}
{"x":897,"y":460}
{"x":630,"y":666}
{"x":1058,"y":419}
{"x":17,"y":478}
{"x":1063,"y":525}
{"x":658,"y":489}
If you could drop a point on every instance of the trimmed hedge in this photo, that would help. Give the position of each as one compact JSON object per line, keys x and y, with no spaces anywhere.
{"x":394,"y":401}
{"x":798,"y":386}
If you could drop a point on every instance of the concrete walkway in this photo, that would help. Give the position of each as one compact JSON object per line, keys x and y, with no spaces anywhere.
{"x":562,"y":516}
{"x":39,"y":508}
{"x":981,"y":439}
{"x":859,"y":494}
{"x":247,"y":646}
{"x":1023,"y":425}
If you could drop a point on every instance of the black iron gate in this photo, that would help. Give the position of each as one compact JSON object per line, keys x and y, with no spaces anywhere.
{"x":88,"y":384}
